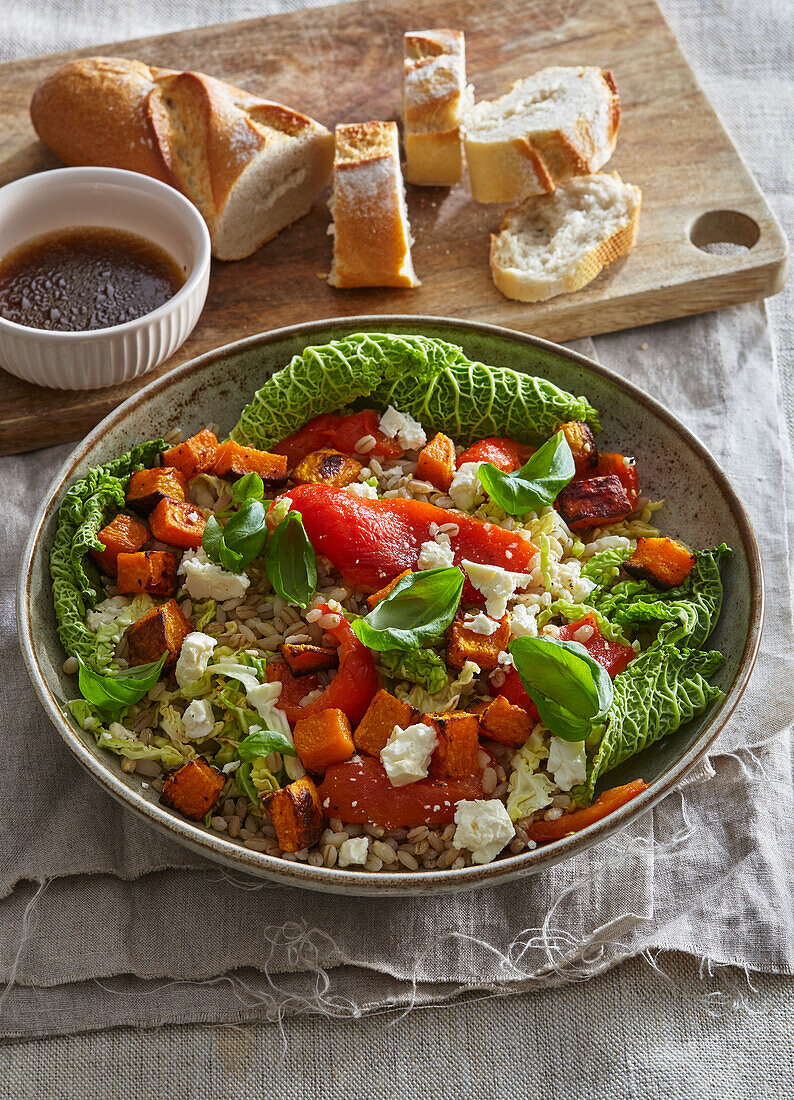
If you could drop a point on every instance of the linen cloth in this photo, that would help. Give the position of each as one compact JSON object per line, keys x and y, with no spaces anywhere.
{"x":629,"y":895}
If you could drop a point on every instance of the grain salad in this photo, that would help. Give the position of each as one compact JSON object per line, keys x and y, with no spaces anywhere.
{"x":406,"y":617}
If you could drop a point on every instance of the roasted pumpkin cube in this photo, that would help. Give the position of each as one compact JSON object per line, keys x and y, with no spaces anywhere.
{"x":161,"y":630}
{"x":193,"y":789}
{"x":484,"y":649}
{"x":232,"y":461}
{"x":195,"y":456}
{"x":123,"y":535}
{"x":303,"y":659}
{"x":152,"y":571}
{"x":455,"y":756}
{"x":382,"y":593}
{"x":625,"y":470}
{"x":664,"y":562}
{"x":177,"y":523}
{"x":148,"y":487}
{"x":582,"y":443}
{"x":323,"y":739}
{"x":296,"y":814}
{"x":382,"y":715}
{"x":594,"y":502}
{"x":437,"y":462}
{"x":502,"y":721}
{"x":328,"y":466}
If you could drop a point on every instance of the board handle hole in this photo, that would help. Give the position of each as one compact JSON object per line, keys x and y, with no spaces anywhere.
{"x":724,"y":232}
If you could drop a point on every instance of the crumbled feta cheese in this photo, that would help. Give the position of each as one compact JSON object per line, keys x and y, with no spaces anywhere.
{"x":363,"y":489}
{"x":115,"y":729}
{"x":496,"y":584}
{"x":199,"y":719}
{"x":505,"y":659}
{"x":406,"y":755}
{"x":409,"y":432}
{"x":484,"y":827}
{"x":353,"y":851}
{"x":481,"y":624}
{"x":436,"y":554}
{"x":567,"y":762}
{"x":194,"y":657}
{"x":523,"y":620}
{"x":465,"y":490}
{"x":207,"y":581}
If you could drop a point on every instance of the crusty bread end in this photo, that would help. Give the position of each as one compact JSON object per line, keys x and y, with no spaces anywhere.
{"x":434,"y":96}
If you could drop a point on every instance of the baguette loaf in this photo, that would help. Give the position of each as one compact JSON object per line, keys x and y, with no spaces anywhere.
{"x":559,"y":123}
{"x":434,"y":94}
{"x":251,"y":166}
{"x":552,"y":244}
{"x":372,"y":237}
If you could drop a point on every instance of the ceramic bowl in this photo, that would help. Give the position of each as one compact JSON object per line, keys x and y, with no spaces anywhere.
{"x":701,"y":508}
{"x":111,"y":199}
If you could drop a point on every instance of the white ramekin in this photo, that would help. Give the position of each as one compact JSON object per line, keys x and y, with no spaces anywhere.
{"x":110,"y":198}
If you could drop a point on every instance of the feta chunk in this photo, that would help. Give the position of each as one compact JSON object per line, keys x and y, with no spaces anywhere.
{"x":567,"y":762}
{"x":353,"y":851}
{"x":194,"y":657}
{"x":207,"y":581}
{"x":363,"y":489}
{"x":199,"y":719}
{"x":409,"y":432}
{"x":481,"y":624}
{"x":496,"y":584}
{"x":484,"y":827}
{"x":465,"y":490}
{"x":523,"y":621}
{"x":436,"y":554}
{"x":406,"y":755}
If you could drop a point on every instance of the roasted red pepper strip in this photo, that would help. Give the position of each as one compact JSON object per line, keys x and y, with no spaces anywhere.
{"x":614,"y":656}
{"x":609,"y":462}
{"x":351,"y":689}
{"x":515,"y":693}
{"x":543,"y":832}
{"x":371,"y":541}
{"x":503,"y":453}
{"x":361,"y":791}
{"x":341,"y":432}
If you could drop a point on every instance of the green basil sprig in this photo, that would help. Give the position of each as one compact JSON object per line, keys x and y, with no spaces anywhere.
{"x":248,"y":487}
{"x":571,"y":691}
{"x":113,"y":691}
{"x":291,"y":563}
{"x":538,"y":481}
{"x":240,"y":541}
{"x":418,"y":609}
{"x":261,"y":742}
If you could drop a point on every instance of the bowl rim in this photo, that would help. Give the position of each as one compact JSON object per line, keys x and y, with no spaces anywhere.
{"x":101,"y":176}
{"x":369,"y":883}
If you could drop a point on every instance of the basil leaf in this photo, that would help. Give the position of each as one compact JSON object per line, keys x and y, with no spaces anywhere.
{"x":538,"y":481}
{"x":243,"y":779}
{"x":115,"y":690}
{"x":240,"y":541}
{"x":248,"y":487}
{"x":262,"y":742}
{"x":215,"y":548}
{"x":291,"y":563}
{"x":417,"y":610}
{"x":571,"y":691}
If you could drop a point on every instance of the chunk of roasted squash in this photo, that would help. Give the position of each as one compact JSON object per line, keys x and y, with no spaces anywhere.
{"x":382,"y":593}
{"x":328,"y":466}
{"x":484,"y":649}
{"x":323,"y":739}
{"x":161,"y":630}
{"x":296,"y":814}
{"x":625,"y":470}
{"x":148,"y":487}
{"x":303,"y":659}
{"x":123,"y":535}
{"x":232,"y":461}
{"x":594,"y":502}
{"x":664,"y":562}
{"x":195,"y":456}
{"x":582,"y":443}
{"x":177,"y":523}
{"x":193,"y":789}
{"x":152,"y":571}
{"x":502,"y":721}
{"x":437,"y":461}
{"x":381,"y":716}
{"x":455,"y":756}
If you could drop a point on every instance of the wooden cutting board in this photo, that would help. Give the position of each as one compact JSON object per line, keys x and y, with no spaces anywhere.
{"x":344,"y":64}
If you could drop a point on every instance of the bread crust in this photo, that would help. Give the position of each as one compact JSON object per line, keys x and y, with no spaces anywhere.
{"x":434,"y":90}
{"x":187,"y":129}
{"x":372,"y":238}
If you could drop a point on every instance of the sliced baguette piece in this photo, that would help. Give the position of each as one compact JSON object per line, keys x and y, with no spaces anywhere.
{"x":556,"y":244}
{"x":251,"y":166}
{"x":559,"y":123}
{"x":372,"y":237}
{"x":434,"y":97}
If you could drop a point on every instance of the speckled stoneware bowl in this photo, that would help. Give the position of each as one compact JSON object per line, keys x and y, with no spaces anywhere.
{"x":701,"y":508}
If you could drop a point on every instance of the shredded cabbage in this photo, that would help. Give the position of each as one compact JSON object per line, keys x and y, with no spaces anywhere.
{"x":529,"y":790}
